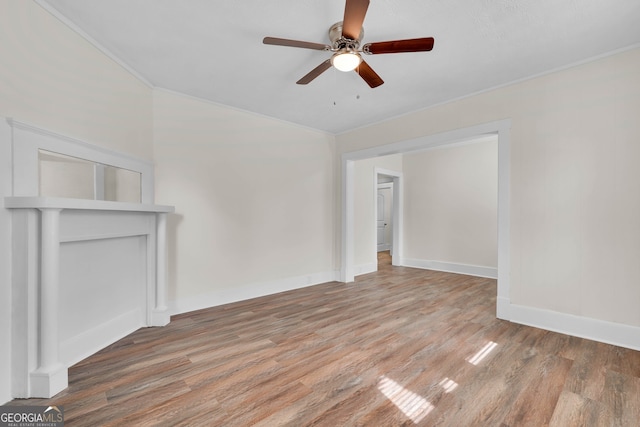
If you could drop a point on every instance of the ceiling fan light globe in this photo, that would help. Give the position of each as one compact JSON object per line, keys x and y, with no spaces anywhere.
{"x":346,"y":61}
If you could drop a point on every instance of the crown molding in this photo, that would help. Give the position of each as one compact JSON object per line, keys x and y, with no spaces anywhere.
{"x":54,"y":12}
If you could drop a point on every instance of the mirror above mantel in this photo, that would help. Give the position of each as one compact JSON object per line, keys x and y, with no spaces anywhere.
{"x":71,"y":177}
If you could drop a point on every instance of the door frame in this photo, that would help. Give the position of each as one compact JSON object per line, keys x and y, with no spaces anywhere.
{"x":501,"y":128}
{"x":396,"y":212}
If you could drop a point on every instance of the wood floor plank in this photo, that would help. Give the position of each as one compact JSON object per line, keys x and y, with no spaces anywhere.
{"x":573,"y":410}
{"x":621,"y":396}
{"x":399,"y":347}
{"x":544,"y":385}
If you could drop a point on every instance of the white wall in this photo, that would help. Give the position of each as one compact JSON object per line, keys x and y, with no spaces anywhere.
{"x":52,"y":78}
{"x":575,"y":199}
{"x":365,"y":254}
{"x":5,"y":266}
{"x":451,"y":200}
{"x":254,"y":202}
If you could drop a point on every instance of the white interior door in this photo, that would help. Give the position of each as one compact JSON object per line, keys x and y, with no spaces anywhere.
{"x":384,"y":209}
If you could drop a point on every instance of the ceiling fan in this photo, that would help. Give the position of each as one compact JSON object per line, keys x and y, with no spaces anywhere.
{"x":345,"y":37}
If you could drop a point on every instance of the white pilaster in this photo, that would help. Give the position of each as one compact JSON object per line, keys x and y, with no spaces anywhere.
{"x":51,"y":375}
{"x":160,"y":314}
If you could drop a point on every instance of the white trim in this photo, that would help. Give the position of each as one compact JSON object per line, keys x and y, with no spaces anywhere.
{"x":452,"y":267}
{"x":504,"y":221}
{"x":448,"y":138}
{"x":37,"y":202}
{"x":397,"y":213}
{"x":387,"y":172}
{"x":6,"y":369}
{"x":249,"y":291}
{"x":346,"y":267}
{"x":28,"y":139}
{"x":92,"y":149}
{"x":79,"y":347}
{"x":583,"y":327}
{"x":99,"y":180}
{"x":503,"y":306}
{"x":242,"y":110}
{"x":502,"y":128}
{"x":66,"y":21}
{"x":361,"y":269}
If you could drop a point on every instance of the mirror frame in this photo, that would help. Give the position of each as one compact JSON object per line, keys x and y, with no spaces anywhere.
{"x":28,"y":140}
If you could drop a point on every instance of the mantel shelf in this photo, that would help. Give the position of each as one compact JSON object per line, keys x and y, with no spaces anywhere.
{"x":83,"y":204}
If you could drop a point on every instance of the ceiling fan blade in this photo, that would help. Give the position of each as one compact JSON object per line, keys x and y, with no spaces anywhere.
{"x":315,"y":72}
{"x":368,"y":75}
{"x":398,"y":46}
{"x":295,"y":43}
{"x":354,"y":12}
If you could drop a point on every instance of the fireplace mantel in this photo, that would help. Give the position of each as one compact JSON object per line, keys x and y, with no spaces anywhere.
{"x":84,"y":271}
{"x":26,"y":202}
{"x":42,"y":226}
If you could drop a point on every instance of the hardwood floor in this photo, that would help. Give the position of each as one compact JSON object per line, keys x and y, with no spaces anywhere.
{"x":399,"y":347}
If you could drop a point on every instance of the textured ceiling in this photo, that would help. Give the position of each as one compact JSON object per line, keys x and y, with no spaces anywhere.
{"x":212,"y":49}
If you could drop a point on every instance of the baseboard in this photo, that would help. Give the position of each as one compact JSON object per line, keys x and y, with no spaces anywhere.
{"x":81,"y":346}
{"x":365,"y":268}
{"x":583,"y":327}
{"x":503,"y":308}
{"x":252,"y":290}
{"x":451,"y":267}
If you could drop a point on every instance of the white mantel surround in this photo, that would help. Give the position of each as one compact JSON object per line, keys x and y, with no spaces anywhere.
{"x":42,"y":227}
{"x":83,"y":273}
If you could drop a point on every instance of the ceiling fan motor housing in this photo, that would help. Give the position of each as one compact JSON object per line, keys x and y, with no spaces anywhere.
{"x":338,"y":41}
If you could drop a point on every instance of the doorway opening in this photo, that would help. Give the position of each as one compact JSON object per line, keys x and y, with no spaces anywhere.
{"x":388,"y":213}
{"x":384,"y":218}
{"x":500,"y":128}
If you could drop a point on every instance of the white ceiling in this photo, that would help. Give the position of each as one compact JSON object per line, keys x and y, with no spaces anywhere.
{"x":212,"y":49}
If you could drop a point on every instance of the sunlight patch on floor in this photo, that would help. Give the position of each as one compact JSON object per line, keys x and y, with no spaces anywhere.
{"x":484,"y":352}
{"x":411,"y":404}
{"x":448,"y":385}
